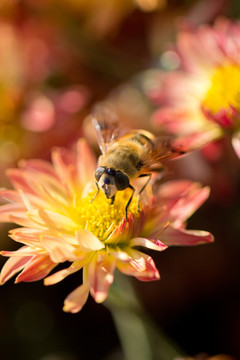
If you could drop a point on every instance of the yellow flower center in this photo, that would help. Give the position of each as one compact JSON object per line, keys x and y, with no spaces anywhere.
{"x":100,"y":216}
{"x":224,"y":92}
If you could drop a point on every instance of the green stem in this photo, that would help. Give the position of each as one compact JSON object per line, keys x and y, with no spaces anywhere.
{"x":140,"y":338}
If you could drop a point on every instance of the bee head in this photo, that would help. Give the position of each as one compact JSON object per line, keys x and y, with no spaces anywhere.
{"x":110,"y":180}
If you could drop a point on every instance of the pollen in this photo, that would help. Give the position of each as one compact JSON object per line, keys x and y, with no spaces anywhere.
{"x":100,"y":216}
{"x":224,"y":90}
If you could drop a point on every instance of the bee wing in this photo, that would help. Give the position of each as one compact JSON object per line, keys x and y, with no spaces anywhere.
{"x":162,"y":149}
{"x":106,"y":124}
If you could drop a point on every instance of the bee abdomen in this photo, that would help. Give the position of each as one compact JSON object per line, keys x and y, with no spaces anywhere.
{"x":142,"y":139}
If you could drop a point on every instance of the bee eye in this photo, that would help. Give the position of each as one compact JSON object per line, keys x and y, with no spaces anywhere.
{"x":98,"y":173}
{"x":121,"y":180}
{"x":110,"y":171}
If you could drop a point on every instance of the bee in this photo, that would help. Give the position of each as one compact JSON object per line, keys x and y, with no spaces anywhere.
{"x":126,"y":157}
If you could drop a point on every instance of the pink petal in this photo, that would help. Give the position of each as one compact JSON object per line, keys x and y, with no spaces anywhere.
{"x":100,"y":272}
{"x":181,"y":200}
{"x":177,"y":121}
{"x":28,"y":236}
{"x":236,"y":143}
{"x":17,"y":197}
{"x":86,"y":162}
{"x":52,"y":197}
{"x":58,"y":249}
{"x":172,"y":236}
{"x":168,"y":91}
{"x":13,"y":266}
{"x":36,"y":186}
{"x":153,"y":244}
{"x":47,"y":190}
{"x":76,"y":299}
{"x":52,"y":219}
{"x":119,"y":233}
{"x":125,"y":230}
{"x":197,"y":54}
{"x":141,"y":266}
{"x":40,"y":166}
{"x":25,"y":251}
{"x":23,"y":220}
{"x":11,"y":195}
{"x":62,"y":274}
{"x":197,"y":140}
{"x":87,"y":241}
{"x":9,"y":210}
{"x":120,"y":254}
{"x":36,"y":269}
{"x":185,"y":208}
{"x":64,"y":162}
{"x":20,"y":180}
{"x":176,"y":188}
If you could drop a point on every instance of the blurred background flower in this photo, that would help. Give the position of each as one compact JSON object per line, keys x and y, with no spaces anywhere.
{"x":208,"y":108}
{"x":56,"y":60}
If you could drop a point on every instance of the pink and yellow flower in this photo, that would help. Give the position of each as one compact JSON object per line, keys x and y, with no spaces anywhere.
{"x":59,"y":222}
{"x":201,"y":102}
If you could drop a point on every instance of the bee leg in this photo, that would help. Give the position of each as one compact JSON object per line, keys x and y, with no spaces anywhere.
{"x":130,"y":200}
{"x":95,"y":195}
{"x":161,"y":171}
{"x":149,"y":177}
{"x":144,"y":186}
{"x":112,"y":199}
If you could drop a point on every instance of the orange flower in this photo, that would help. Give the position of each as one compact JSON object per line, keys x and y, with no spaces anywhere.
{"x":59,"y":222}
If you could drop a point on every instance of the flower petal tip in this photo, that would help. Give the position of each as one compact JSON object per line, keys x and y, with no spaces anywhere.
{"x":17,"y":281}
{"x":210,"y":238}
{"x":46,"y":282}
{"x":99,"y":297}
{"x":70,"y":309}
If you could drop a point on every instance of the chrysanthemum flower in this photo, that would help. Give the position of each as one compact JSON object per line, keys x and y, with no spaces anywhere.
{"x":59,"y":222}
{"x":201,"y":102}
